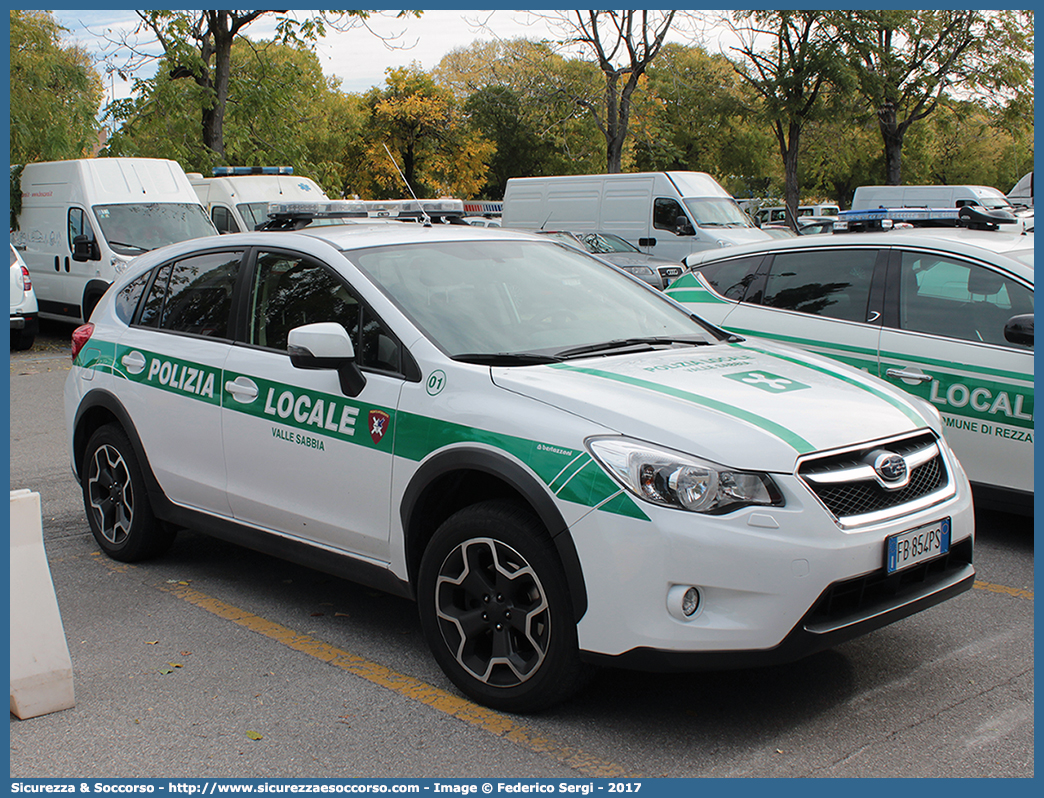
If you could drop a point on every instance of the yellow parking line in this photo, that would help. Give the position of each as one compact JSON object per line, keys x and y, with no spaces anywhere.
{"x":486,"y":719}
{"x":1015,"y":592}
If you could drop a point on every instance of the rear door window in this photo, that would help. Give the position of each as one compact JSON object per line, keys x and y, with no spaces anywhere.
{"x":834,"y":283}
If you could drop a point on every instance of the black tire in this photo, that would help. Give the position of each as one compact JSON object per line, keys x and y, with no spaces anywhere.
{"x":495,"y":609}
{"x":21,"y":340}
{"x":115,"y":500}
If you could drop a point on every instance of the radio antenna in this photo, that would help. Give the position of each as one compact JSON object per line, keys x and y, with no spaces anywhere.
{"x":424,"y":213}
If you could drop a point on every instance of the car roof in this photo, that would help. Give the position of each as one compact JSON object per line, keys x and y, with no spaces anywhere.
{"x":999,"y":247}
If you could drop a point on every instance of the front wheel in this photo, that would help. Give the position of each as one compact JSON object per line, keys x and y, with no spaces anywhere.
{"x":115,"y":500}
{"x":495,"y":609}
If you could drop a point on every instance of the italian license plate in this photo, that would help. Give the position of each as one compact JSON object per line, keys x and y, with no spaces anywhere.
{"x":917,"y":545}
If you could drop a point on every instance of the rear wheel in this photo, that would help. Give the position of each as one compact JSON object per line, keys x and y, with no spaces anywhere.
{"x":115,"y":500}
{"x":22,"y":340}
{"x":495,"y":609}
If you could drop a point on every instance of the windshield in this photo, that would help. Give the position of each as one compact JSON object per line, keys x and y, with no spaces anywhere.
{"x":602,"y":243}
{"x":520,"y":297}
{"x":995,"y":202}
{"x":136,"y":228}
{"x":717,"y":212}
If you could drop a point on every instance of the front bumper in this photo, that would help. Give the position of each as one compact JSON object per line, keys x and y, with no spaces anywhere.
{"x":844,"y":611}
{"x":774,"y":583}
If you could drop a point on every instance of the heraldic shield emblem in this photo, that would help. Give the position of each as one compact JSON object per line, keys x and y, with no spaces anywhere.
{"x":379,"y":421}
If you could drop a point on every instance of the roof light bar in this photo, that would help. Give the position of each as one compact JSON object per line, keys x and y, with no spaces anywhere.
{"x":233,"y":171}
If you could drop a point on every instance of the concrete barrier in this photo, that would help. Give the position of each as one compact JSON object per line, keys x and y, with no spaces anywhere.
{"x":41,"y":671}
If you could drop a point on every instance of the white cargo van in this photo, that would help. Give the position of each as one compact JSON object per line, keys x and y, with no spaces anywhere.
{"x":237,"y":197}
{"x":81,"y":223}
{"x":667,"y":214}
{"x":869,"y":197}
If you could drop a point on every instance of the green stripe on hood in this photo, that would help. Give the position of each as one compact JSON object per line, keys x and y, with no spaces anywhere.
{"x":789,"y":437}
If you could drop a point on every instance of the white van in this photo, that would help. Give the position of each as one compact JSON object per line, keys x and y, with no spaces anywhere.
{"x":237,"y":197}
{"x":1022,"y":192}
{"x":667,"y":214}
{"x":869,"y":197}
{"x":81,"y":223}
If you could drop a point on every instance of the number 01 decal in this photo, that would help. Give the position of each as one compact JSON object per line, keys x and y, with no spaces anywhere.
{"x":436,"y":382}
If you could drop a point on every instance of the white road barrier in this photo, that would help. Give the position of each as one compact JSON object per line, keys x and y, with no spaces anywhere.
{"x":41,"y":671}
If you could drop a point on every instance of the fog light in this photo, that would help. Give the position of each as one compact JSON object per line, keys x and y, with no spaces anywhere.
{"x":690,"y":602}
{"x":683,"y":602}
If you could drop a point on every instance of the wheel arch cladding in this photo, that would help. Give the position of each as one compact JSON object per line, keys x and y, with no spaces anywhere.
{"x":454,"y":479}
{"x":96,"y":409}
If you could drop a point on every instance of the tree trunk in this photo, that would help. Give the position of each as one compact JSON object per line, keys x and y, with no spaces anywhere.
{"x":892,"y":136}
{"x":789,"y":143}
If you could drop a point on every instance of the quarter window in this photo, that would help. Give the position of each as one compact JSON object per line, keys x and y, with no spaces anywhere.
{"x":732,"y":278}
{"x":956,"y":299}
{"x":128,"y":297}
{"x":832,"y":283}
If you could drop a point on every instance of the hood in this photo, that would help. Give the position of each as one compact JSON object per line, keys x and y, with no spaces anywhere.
{"x":737,"y":235}
{"x":752,"y":405}
{"x":636,"y":259}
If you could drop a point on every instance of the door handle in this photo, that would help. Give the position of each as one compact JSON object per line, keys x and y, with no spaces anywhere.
{"x":134,"y":362}
{"x":242,"y":389}
{"x":903,"y":374}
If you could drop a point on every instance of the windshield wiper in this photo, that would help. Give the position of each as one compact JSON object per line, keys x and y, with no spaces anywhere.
{"x":629,"y":343}
{"x":128,"y":246}
{"x":506,"y":358}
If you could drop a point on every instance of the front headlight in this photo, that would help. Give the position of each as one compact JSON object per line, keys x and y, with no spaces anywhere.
{"x":672,"y":479}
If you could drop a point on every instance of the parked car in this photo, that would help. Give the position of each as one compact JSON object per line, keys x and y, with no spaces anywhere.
{"x":24,"y":319}
{"x":482,"y":221}
{"x":778,"y":231}
{"x":944,"y":313}
{"x":657,"y":272}
{"x":815,"y":225}
{"x":561,"y":466}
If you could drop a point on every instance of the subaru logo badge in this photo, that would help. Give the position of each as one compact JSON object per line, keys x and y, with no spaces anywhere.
{"x":891,"y":468}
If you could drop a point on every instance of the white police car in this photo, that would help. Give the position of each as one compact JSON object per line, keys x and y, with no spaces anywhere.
{"x":558,"y":463}
{"x":943,"y":313}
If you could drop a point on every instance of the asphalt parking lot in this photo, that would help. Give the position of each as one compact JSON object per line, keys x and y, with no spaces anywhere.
{"x":215,"y":661}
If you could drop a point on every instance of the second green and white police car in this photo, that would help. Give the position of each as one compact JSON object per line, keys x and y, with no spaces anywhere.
{"x":560,"y":465}
{"x":945,"y":314}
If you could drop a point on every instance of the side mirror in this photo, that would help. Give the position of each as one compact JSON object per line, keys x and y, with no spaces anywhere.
{"x":85,"y":249}
{"x":682,"y":227}
{"x":326,"y":345}
{"x":1019,"y":329}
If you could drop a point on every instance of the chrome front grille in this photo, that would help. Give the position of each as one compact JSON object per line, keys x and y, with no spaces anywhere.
{"x":855,"y":492}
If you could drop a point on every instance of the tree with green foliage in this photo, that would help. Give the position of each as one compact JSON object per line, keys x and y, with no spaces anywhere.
{"x":55,"y":92}
{"x":789,"y":76}
{"x":496,"y":113}
{"x":281,"y":110}
{"x":197,"y":45}
{"x":623,"y":44}
{"x":908,"y":62}
{"x":694,"y":116}
{"x":545,"y":84}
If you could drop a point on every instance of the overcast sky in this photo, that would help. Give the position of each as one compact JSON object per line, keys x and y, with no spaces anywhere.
{"x":358,"y":57}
